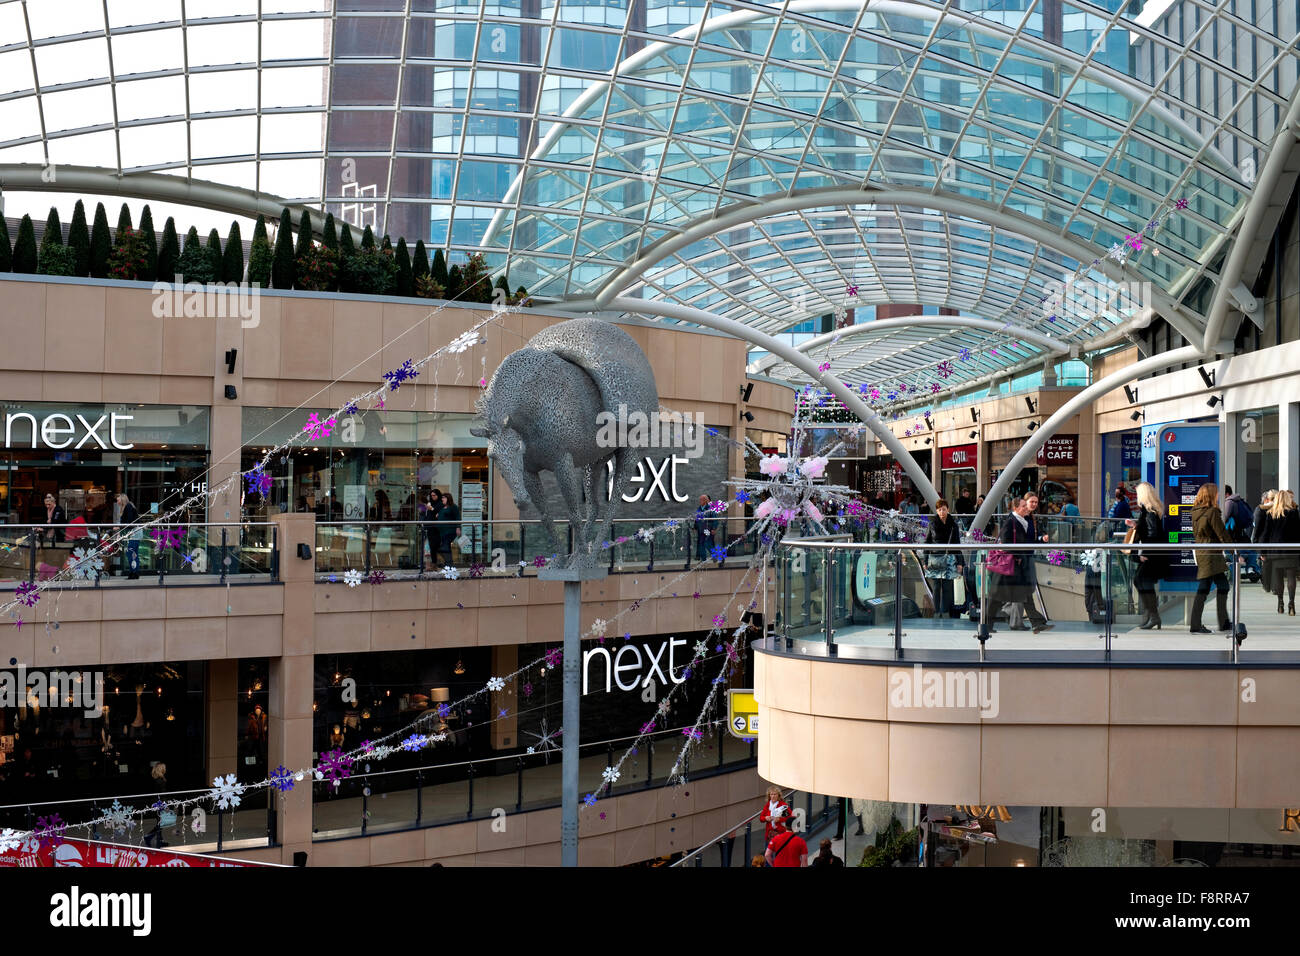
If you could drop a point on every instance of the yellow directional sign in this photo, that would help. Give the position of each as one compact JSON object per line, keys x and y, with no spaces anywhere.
{"x":742,"y":714}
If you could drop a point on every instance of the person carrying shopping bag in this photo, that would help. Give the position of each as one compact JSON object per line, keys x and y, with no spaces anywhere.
{"x":1282,"y":526}
{"x":1011,"y":581}
{"x":942,"y":567}
{"x":1151,"y":565}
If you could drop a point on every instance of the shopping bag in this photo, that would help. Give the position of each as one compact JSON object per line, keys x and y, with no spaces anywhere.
{"x":959,"y":591}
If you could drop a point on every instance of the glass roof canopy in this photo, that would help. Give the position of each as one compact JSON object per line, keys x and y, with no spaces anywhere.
{"x":755,"y":160}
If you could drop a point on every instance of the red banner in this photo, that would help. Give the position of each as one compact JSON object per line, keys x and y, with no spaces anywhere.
{"x":86,"y":853}
{"x":959,"y":456}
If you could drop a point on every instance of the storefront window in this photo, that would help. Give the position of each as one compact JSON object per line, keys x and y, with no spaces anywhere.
{"x":376,"y":465}
{"x":85,"y":455}
{"x":1121,"y":462}
{"x":143,"y":734}
{"x":1257,"y":453}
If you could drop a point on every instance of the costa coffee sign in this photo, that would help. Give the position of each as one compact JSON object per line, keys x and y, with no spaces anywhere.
{"x":959,"y":456}
{"x":1059,"y":450}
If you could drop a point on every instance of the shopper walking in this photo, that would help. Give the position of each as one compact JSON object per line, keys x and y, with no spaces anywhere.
{"x":786,"y":849}
{"x":1013,"y":587}
{"x":433,"y":504}
{"x":1211,"y":568}
{"x":1151,"y":565}
{"x":131,"y":556}
{"x":1282,"y":526}
{"x":774,"y":814}
{"x":1257,"y":535}
{"x":703,"y":529}
{"x":943,"y":566}
{"x":1120,"y":509}
{"x":447,"y":527}
{"x":53,"y":516}
{"x":826,"y":855}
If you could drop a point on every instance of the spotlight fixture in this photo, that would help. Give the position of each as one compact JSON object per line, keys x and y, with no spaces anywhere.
{"x":1033,"y":406}
{"x":928,"y":424}
{"x":1033,"y":425}
{"x":1138,"y":416}
{"x":1132,"y":394}
{"x":974,"y":434}
{"x":1213,"y":401}
{"x":746,"y":390}
{"x":1206,"y":377}
{"x":747,"y":416}
{"x":231,"y":393}
{"x":230,"y":360}
{"x":975,"y":415}
{"x":928,"y":440}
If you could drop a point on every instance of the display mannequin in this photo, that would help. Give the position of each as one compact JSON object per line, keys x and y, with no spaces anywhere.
{"x":138,"y":724}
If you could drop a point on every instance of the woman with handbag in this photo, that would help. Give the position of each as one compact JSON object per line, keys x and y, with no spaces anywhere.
{"x":1151,"y":565}
{"x":943,"y":566}
{"x":1011,"y":580}
{"x":1211,"y":569}
{"x":449,"y":530}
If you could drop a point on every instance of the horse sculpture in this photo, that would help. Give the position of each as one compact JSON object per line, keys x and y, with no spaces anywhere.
{"x":542,"y":412}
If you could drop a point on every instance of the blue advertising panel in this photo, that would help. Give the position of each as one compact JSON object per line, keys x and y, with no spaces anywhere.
{"x":1188,"y":458}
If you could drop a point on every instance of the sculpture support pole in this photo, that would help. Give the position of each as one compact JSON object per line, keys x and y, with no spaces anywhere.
{"x":569,"y":738}
{"x":572,"y":674}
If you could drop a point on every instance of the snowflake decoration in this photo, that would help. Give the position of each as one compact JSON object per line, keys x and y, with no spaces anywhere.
{"x":167,"y":537}
{"x":976,"y":535}
{"x":1133,"y":242}
{"x":451,"y":574}
{"x":540,"y":561}
{"x":692,"y":733}
{"x":647,"y":728}
{"x":405,"y":372}
{"x":463,"y":342}
{"x":934,"y":388}
{"x":589,"y":800}
{"x":944,"y":369}
{"x":1152,"y":226}
{"x":824,"y":367}
{"x":598,"y":626}
{"x":875,"y":394}
{"x":528,"y":689}
{"x":317,"y":429}
{"x":86,"y":564}
{"x":282,"y":779}
{"x":49,"y":830}
{"x":743,"y":497}
{"x":1181,"y":204}
{"x":1092,"y":559}
{"x":496,"y":683}
{"x":376,"y":577}
{"x":696,"y":595}
{"x":851,"y":290}
{"x":414,"y":742}
{"x":718,"y":553}
{"x":443,"y":711}
{"x":336,"y":765}
{"x":258,"y":480}
{"x":1056,"y":557}
{"x":350,"y":409}
{"x":27,"y":594}
{"x":117,"y":817}
{"x":719,"y":620}
{"x":226,"y":791}
{"x":645,"y":534}
{"x":610,"y":775}
{"x":10,"y":839}
{"x":553,"y":657}
{"x":476,"y":570}
{"x":963,"y":355}
{"x":545,"y":741}
{"x":351,"y":577}
{"x":670,"y":523}
{"x":1118,"y":253}
{"x":718,"y":507}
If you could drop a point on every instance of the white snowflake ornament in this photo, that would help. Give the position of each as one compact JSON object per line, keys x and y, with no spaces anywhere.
{"x":11,"y":839}
{"x":86,"y":565}
{"x":450,"y":573}
{"x":496,"y":683}
{"x":598,"y":626}
{"x":646,"y":535}
{"x":117,"y":817}
{"x":351,"y":577}
{"x":610,"y":775}
{"x":226,"y":793}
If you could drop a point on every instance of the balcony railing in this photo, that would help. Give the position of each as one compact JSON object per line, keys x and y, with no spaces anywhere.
{"x":191,"y":554}
{"x":406,"y":546}
{"x":886,"y":600}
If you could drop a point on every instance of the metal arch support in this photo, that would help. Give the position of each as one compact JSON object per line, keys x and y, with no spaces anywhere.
{"x":859,"y":196}
{"x":1045,"y":342}
{"x":1096,"y":390}
{"x":792,"y":355}
{"x":25,"y":177}
{"x":1279,"y":158}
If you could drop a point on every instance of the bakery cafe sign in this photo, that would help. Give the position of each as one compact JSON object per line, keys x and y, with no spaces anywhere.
{"x":1059,"y":450}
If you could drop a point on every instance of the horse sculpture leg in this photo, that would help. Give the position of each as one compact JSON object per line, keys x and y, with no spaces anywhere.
{"x":623,"y":460}
{"x":533,"y":485}
{"x":570,"y":483}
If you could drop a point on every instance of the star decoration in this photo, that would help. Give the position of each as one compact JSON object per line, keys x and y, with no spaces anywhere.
{"x":1181,"y":204}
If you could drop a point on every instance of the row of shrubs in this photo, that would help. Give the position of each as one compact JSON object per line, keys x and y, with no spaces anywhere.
{"x":328,"y":262}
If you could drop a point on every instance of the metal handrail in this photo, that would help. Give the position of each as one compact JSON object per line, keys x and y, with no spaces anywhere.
{"x":993,"y":545}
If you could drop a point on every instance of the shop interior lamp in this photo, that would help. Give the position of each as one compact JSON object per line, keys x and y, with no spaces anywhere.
{"x":459,"y":669}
